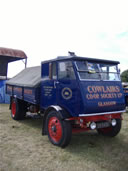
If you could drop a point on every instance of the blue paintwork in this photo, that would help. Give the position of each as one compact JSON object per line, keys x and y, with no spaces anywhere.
{"x":91,"y":99}
{"x":73,"y":102}
{"x":34,"y":97}
{"x":31,"y":95}
{"x":48,"y":94}
{"x":73,"y":95}
{"x":18,"y":93}
{"x":78,"y":103}
{"x":4,"y":98}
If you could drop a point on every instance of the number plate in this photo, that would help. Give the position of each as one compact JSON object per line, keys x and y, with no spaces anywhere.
{"x":103,"y":125}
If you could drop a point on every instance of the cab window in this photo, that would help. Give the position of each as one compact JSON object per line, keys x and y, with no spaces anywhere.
{"x":97,"y":71}
{"x":66,"y":71}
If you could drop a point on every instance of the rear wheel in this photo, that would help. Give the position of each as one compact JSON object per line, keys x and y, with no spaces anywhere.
{"x":18,"y":109}
{"x":111,"y":131}
{"x":59,"y":131}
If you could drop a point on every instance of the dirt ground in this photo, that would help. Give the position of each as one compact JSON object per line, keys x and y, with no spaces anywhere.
{"x":22,"y":147}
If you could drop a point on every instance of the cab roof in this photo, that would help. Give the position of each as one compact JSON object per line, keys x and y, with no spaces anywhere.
{"x":76,"y":58}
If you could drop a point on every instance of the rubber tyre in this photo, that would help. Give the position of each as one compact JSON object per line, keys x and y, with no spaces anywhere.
{"x":111,"y":131}
{"x":59,"y":131}
{"x":18,"y":109}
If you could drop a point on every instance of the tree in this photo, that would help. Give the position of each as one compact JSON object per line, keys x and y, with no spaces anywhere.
{"x":124,"y":76}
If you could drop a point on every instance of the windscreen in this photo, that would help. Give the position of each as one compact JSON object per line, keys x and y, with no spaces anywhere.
{"x":97,"y":71}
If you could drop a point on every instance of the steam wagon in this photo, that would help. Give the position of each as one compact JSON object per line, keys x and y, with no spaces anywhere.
{"x":73,"y":94}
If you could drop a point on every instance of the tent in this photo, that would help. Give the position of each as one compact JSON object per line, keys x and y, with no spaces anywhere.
{"x":6,"y":56}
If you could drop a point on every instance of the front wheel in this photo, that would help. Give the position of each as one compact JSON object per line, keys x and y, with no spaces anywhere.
{"x":111,"y":131}
{"x":59,"y":131}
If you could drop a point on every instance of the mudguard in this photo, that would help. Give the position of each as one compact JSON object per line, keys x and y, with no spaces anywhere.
{"x":61,"y":112}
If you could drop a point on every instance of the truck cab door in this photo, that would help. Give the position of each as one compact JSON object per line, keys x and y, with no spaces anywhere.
{"x":48,"y":88}
{"x":68,"y":95}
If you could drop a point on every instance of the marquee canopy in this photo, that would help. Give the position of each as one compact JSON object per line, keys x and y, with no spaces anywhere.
{"x":11,"y":55}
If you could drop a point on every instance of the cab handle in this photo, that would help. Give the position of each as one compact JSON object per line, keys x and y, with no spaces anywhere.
{"x":55,"y":82}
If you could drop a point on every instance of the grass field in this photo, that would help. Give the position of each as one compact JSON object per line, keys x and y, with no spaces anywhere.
{"x":22,"y":147}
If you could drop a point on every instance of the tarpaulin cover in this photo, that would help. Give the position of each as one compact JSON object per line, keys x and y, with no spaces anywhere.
{"x":29,"y":77}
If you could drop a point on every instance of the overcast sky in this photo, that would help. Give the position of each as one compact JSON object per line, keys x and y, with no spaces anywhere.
{"x":44,"y":29}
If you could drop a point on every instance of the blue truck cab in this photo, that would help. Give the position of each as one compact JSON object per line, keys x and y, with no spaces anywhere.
{"x":73,"y":94}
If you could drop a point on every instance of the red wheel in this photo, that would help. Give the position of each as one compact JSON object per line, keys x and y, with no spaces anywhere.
{"x":55,"y":129}
{"x":18,"y":111}
{"x":59,"y":131}
{"x":13,"y":108}
{"x":111,"y":131}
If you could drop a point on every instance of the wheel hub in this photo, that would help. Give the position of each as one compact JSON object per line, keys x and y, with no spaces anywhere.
{"x":54,"y":128}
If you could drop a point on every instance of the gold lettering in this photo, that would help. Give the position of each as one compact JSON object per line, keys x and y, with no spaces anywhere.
{"x":120,"y":95}
{"x":26,"y":91}
{"x":92,"y":96}
{"x":89,"y":89}
{"x":103,"y":89}
{"x":108,"y":96}
{"x":18,"y":89}
{"x":102,"y":104}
